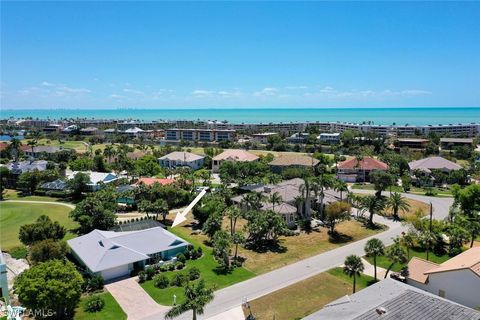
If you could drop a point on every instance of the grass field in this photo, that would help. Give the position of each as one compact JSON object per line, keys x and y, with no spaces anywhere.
{"x":78,"y":146}
{"x":207,"y":266}
{"x":383,"y":262}
{"x":14,"y":195}
{"x":414,"y":190}
{"x":14,"y":215}
{"x":305,"y":297}
{"x":111,"y":311}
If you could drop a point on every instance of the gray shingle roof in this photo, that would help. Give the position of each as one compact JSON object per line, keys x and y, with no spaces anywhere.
{"x":399,"y":300}
{"x":181,"y":156}
{"x":433,"y":163}
{"x":24,"y":166}
{"x":101,"y":250}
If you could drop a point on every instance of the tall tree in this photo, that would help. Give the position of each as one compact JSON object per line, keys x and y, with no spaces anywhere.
{"x":336,"y":212}
{"x":233,"y":213}
{"x":396,"y":254}
{"x":341,"y":187}
{"x":374,"y":248}
{"x":373,"y":205}
{"x":353,"y":267}
{"x":52,"y":288}
{"x":197,"y":296}
{"x":42,"y":229}
{"x":275,"y":198}
{"x":397,"y":203}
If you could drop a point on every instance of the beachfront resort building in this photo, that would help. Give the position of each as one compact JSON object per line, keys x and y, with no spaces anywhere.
{"x":198,"y":135}
{"x":329,"y":138}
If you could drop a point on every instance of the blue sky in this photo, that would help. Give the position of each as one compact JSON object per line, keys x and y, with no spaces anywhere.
{"x":232,"y":54}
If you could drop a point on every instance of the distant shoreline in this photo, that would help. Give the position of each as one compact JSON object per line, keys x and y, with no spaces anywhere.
{"x":414,"y":116}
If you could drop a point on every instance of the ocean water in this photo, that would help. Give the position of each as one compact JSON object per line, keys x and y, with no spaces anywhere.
{"x":399,"y":116}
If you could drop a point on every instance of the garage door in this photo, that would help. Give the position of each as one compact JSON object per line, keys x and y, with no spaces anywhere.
{"x":115,"y":272}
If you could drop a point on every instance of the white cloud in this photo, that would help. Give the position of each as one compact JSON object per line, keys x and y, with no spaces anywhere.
{"x":266,"y":92}
{"x":296,"y":87}
{"x":116,"y":96}
{"x":133,"y":91}
{"x":202,"y":93}
{"x":415,"y":92}
{"x":47,"y":84}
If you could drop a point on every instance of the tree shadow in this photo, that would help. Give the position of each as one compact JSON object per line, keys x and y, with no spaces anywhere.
{"x":338,"y":237}
{"x":267,"y":246}
{"x":370,"y":282}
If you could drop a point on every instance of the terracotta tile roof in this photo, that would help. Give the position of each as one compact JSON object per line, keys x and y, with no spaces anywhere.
{"x":469,"y":259}
{"x":417,"y":268}
{"x":366,"y":163}
{"x":150,"y":181}
{"x":294,"y":160}
{"x":3,"y":146}
{"x":236,"y":155}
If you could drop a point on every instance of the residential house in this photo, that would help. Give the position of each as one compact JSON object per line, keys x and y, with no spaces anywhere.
{"x":293,"y":203}
{"x":329,"y":138}
{"x":232,"y":155}
{"x":56,"y":185}
{"x":151,"y":181}
{"x":452,"y":143}
{"x":299,"y":137}
{"x":434,"y":163}
{"x":182,"y":159}
{"x":457,"y":279}
{"x":391,"y":299}
{"x":412,"y":143}
{"x":39,"y":151}
{"x":355,"y":170}
{"x":97,"y":179}
{"x":292,"y":160}
{"x":263,"y":137}
{"x":113,"y":254}
{"x":17,"y":168}
{"x":90,"y":131}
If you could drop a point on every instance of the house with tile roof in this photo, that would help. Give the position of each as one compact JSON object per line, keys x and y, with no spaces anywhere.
{"x":235,"y":155}
{"x":434,"y":163}
{"x":113,"y":254}
{"x":457,"y":279}
{"x":292,"y":160}
{"x":152,"y":181}
{"x":182,"y":159}
{"x":358,"y":170}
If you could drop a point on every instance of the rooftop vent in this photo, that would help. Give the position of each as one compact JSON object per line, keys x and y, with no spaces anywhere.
{"x":381,"y":310}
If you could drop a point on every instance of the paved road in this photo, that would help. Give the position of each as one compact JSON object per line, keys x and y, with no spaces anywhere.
{"x":71,"y":206}
{"x":261,"y":285}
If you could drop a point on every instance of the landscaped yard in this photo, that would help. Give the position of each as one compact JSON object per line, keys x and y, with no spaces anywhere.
{"x":14,"y":215}
{"x":111,"y":311}
{"x":14,"y":195}
{"x":78,"y":146}
{"x":383,"y":262}
{"x":414,"y":190}
{"x":207,"y":266}
{"x":305,"y":297}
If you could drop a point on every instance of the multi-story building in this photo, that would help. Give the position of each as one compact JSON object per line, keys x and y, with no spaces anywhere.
{"x":199,"y":135}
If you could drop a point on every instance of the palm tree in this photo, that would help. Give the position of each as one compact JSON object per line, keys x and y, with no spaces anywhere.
{"x":15,"y":145}
{"x":353,"y":268}
{"x":396,"y":202}
{"x":233,"y":213}
{"x":275,"y":198}
{"x":109,"y":152}
{"x":341,"y":187}
{"x":32,"y":143}
{"x":396,"y":254}
{"x":374,"y":248}
{"x":373,"y":205}
{"x":305,"y":189}
{"x":408,"y":241}
{"x":197,"y":296}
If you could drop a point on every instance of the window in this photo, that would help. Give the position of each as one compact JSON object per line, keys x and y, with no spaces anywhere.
{"x":441,"y":293}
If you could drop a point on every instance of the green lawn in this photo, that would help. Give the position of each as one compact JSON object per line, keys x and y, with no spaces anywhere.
{"x":413,"y":190}
{"x":305,"y":297}
{"x":207,"y":266}
{"x":14,"y":195}
{"x":14,"y":215}
{"x":383,"y":262}
{"x":111,"y":311}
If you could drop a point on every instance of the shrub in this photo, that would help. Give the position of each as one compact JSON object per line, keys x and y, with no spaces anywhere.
{"x":194,"y":273}
{"x":181,"y":257}
{"x":430,"y":192}
{"x":199,"y":252}
{"x":95,"y":283}
{"x":160,"y":281}
{"x":142,"y":276}
{"x":179,"y":265}
{"x":94,"y":304}
{"x":171,"y":267}
{"x":190,"y":248}
{"x":163,"y":268}
{"x":187,"y":255}
{"x":178,"y":280}
{"x":150,"y":272}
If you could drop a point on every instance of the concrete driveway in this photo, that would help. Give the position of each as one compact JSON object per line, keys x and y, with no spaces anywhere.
{"x":134,"y":301}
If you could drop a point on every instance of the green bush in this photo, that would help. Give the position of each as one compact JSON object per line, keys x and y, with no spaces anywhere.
{"x":163,"y":268}
{"x":19,"y":252}
{"x":94,"y":304}
{"x":95,"y":283}
{"x":150,"y":272}
{"x":160,"y":281}
{"x":142,"y":276}
{"x":179,"y":265}
{"x":178,"y":280}
{"x":171,"y":267}
{"x":181,"y":258}
{"x":194,"y":273}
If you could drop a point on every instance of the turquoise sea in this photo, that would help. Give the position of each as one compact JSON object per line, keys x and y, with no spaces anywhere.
{"x":400,"y":116}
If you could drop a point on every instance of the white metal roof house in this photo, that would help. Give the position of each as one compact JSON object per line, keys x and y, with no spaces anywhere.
{"x":96,"y":178}
{"x":115,"y":254}
{"x":182,"y":159}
